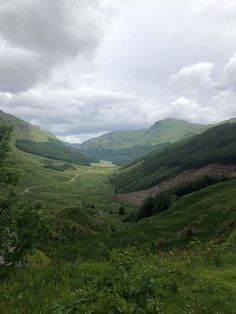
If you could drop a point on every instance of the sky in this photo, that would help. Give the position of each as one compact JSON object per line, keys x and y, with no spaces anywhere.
{"x":80,"y":68}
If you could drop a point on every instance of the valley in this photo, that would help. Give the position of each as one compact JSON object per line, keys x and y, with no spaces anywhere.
{"x":96,"y":254}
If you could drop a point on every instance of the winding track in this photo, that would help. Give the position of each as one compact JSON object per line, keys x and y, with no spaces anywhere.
{"x":27,"y":190}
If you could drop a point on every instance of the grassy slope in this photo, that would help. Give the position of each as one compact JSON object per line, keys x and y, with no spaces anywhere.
{"x":124,"y":146}
{"x":24,"y":130}
{"x":200,"y":280}
{"x":211,"y":211}
{"x":33,"y":139}
{"x":58,"y":193}
{"x":216,"y":145}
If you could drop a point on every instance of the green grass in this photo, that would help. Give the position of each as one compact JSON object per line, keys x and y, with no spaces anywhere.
{"x":73,"y":190}
{"x":157,"y":267}
{"x":211,"y":212}
{"x":127,"y":282}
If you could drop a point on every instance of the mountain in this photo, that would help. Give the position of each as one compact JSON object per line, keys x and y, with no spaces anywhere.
{"x":124,"y":146}
{"x":216,"y":145}
{"x":24,"y":130}
{"x":34,"y":140}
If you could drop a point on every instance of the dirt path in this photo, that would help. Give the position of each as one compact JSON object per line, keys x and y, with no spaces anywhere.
{"x":74,"y":178}
{"x":27,"y":190}
{"x":137,"y":198}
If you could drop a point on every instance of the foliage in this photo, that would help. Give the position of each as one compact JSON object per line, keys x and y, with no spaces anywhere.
{"x":20,"y":225}
{"x":58,"y":166}
{"x":122,"y":211}
{"x":127,"y":281}
{"x":8,"y":177}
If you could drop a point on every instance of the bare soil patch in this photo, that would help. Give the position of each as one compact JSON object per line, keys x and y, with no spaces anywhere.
{"x":137,"y":198}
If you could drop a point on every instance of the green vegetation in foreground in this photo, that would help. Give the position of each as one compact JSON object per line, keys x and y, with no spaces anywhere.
{"x":216,"y":145}
{"x":127,"y":282}
{"x":122,"y":147}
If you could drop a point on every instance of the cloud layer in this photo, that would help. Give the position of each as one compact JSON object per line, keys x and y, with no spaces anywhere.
{"x":83,"y":67}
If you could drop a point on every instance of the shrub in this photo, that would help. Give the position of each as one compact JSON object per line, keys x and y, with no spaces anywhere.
{"x":122,"y":211}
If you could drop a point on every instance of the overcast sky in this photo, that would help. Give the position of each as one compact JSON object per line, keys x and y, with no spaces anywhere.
{"x":83,"y":67}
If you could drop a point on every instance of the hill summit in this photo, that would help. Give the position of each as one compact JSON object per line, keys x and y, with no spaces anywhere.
{"x":124,"y":146}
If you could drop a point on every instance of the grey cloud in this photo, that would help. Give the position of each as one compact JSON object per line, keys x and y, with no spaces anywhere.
{"x":82,"y":111}
{"x":57,"y":71}
{"x":226,"y":102}
{"x":60,"y":27}
{"x":51,"y":33}
{"x":228,"y":76}
{"x":193,"y":77}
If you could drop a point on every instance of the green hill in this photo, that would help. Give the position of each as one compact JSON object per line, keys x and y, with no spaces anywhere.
{"x":24,"y":130}
{"x":88,"y":260}
{"x":216,"y":145}
{"x":162,"y":268}
{"x":124,"y":146}
{"x":205,"y":215}
{"x":32,"y":139}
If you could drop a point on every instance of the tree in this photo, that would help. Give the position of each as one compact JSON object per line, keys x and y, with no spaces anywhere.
{"x":8,"y":177}
{"x":20,"y":224}
{"x":122,"y":211}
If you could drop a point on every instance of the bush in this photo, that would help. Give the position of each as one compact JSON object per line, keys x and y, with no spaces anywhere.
{"x":122,"y":211}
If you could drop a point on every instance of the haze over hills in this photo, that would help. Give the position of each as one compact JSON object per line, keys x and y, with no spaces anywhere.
{"x":124,"y":146}
{"x":32,"y":139}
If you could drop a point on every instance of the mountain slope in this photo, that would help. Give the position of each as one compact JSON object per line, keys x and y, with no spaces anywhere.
{"x":124,"y":146}
{"x":32,"y":139}
{"x":211,"y":211}
{"x":216,"y":145}
{"x":24,"y":130}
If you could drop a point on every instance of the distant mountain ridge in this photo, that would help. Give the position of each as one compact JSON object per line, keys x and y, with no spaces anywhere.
{"x":125,"y":146}
{"x":32,"y":139}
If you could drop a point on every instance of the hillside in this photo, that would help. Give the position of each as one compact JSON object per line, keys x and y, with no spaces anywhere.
{"x":216,"y":145}
{"x":34,"y":140}
{"x":162,"y":268}
{"x":87,"y":259}
{"x":211,"y":211}
{"x":124,"y":146}
{"x":24,"y":130}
